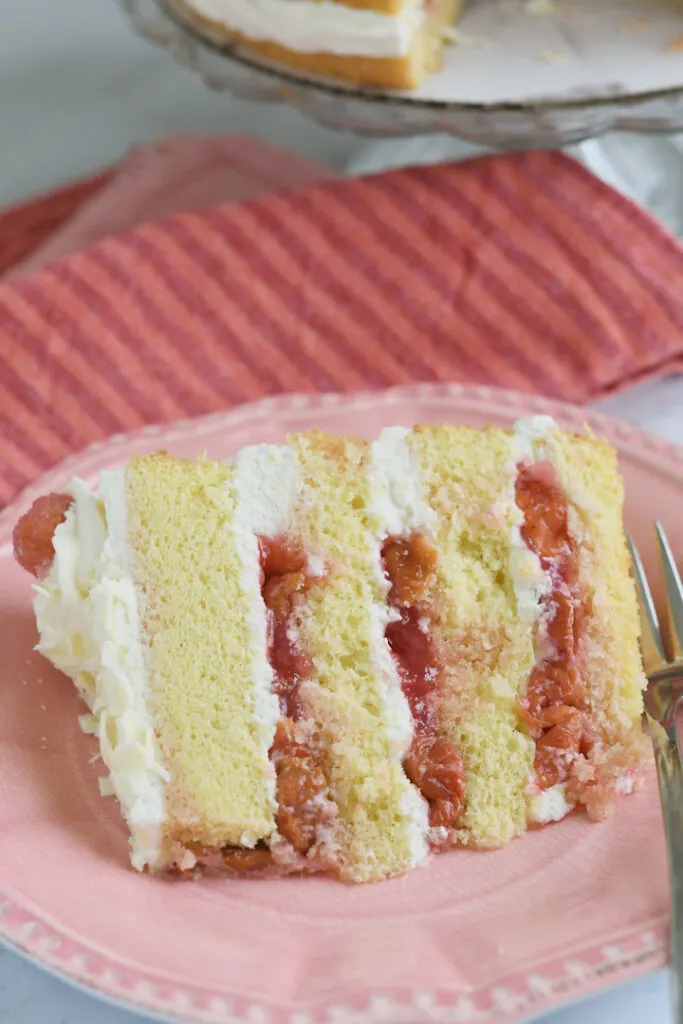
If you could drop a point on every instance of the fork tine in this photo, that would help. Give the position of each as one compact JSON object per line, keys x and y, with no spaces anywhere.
{"x":674,"y":593}
{"x":651,"y":645}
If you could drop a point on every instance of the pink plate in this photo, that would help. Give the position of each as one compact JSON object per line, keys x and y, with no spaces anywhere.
{"x":472,"y":937}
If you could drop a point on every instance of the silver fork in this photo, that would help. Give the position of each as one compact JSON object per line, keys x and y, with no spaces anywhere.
{"x":662,"y":700}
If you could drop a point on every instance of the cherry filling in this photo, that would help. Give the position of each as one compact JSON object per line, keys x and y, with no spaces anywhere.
{"x":554,"y":704}
{"x":33,"y":534}
{"x":301,"y":789}
{"x":432,"y":764}
{"x":238,"y":859}
{"x":301,"y":784}
{"x":283,"y":583}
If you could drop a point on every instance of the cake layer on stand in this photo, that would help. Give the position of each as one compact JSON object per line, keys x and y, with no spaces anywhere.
{"x":391,"y":44}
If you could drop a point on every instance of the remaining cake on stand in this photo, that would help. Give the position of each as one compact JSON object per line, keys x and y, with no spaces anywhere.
{"x":391,"y":44}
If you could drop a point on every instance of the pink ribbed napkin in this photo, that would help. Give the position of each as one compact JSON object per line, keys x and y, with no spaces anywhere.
{"x":172,"y":175}
{"x":521,"y":270}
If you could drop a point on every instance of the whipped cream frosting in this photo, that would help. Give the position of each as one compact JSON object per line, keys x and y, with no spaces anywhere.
{"x":266,"y":485}
{"x":534,"y":440}
{"x":316,"y":26}
{"x":549,"y":805}
{"x":397,"y":508}
{"x":88,"y":620}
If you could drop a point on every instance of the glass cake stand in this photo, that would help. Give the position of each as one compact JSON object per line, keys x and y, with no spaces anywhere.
{"x":523,"y":73}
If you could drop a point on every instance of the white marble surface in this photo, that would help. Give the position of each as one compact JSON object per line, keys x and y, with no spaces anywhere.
{"x":76,"y":91}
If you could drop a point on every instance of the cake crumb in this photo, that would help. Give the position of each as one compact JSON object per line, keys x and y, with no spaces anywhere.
{"x":106,"y":785}
{"x":88,"y":724}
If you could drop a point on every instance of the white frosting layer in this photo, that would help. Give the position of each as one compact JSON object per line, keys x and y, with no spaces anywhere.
{"x":531,"y":442}
{"x":535,"y":437}
{"x":266,"y":486}
{"x":549,"y":805}
{"x":317,"y":26}
{"x":397,"y":508}
{"x":396,"y":497}
{"x":88,"y":620}
{"x":534,"y":440}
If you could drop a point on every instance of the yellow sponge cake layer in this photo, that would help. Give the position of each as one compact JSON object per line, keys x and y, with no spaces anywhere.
{"x":198,"y":651}
{"x":392,"y":44}
{"x":587,"y":468}
{"x":588,"y":471}
{"x":469,"y":480}
{"x":376,"y":833}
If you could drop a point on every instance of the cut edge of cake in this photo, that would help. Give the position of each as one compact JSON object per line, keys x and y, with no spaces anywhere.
{"x":160,"y":604}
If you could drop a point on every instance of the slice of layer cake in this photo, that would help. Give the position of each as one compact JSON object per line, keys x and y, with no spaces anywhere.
{"x":389,"y":43}
{"x":335,"y":655}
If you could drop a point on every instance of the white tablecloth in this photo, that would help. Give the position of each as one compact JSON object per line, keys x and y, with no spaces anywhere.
{"x":77,"y":90}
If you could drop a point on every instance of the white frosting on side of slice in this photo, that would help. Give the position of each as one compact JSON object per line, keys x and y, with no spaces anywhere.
{"x":535,"y":440}
{"x":531,"y":442}
{"x":396,"y":493}
{"x":535,"y":437}
{"x":266,"y":485}
{"x":397,"y":508}
{"x":88,"y":619}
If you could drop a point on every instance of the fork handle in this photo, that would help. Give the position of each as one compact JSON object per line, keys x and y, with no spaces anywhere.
{"x":670,"y":775}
